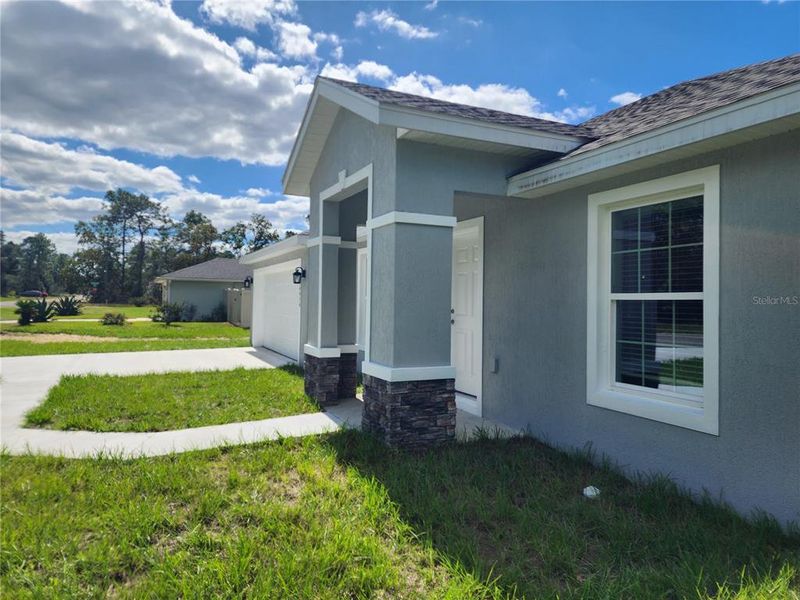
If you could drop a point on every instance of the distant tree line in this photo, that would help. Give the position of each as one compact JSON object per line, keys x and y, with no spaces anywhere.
{"x":122,"y":249}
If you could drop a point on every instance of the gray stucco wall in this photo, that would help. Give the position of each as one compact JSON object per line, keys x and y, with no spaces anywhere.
{"x":535,"y":324}
{"x":204,"y":295}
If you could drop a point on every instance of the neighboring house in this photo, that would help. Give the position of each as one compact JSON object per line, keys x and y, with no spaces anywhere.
{"x":630,"y":283}
{"x":204,"y":284}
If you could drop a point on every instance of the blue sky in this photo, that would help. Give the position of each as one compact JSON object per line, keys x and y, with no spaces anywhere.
{"x":196,"y":103}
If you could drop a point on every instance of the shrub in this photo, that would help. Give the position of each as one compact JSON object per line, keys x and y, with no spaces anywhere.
{"x":68,"y":306}
{"x":139,"y":301}
{"x":42,"y":310}
{"x":25,"y":309}
{"x":174,"y":312}
{"x":189,"y":312}
{"x":113,"y":319}
{"x":218,"y":315}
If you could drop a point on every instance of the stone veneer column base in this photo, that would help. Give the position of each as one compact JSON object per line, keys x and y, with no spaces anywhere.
{"x":348,"y":375}
{"x":322,"y":378}
{"x":410,"y":414}
{"x":328,"y":380}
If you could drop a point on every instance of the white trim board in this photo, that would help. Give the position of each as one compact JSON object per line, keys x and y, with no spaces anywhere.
{"x":292,"y":244}
{"x":331,"y":240}
{"x":412,"y":219}
{"x":699,"y":414}
{"x":326,"y":352}
{"x":407,"y":373}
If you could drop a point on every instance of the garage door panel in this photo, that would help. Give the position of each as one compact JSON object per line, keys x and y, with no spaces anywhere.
{"x":280,"y":327}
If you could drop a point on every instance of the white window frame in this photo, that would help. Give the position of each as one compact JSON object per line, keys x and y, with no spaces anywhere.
{"x":697,"y":413}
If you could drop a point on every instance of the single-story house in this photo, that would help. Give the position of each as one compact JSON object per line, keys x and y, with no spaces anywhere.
{"x":631,"y":282}
{"x":204,"y":284}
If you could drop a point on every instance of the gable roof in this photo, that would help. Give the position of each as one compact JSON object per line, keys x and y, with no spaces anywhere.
{"x":690,"y":98}
{"x":216,"y":269}
{"x":542,"y":141}
{"x":465,"y":111}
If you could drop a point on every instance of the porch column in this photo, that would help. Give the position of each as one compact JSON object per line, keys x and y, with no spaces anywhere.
{"x":321,"y":353}
{"x":409,"y":394}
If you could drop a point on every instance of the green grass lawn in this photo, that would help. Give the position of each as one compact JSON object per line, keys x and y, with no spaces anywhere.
{"x":137,"y":336}
{"x":90,"y":311}
{"x":159,"y":402}
{"x":341,"y":516}
{"x":96,"y":311}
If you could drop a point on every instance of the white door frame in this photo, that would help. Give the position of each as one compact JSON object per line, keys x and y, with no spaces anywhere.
{"x":463,"y":401}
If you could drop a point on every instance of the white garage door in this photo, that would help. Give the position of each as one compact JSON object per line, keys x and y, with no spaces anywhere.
{"x":277,"y":301}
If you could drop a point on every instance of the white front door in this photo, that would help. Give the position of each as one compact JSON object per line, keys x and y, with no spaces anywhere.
{"x":467,"y":313}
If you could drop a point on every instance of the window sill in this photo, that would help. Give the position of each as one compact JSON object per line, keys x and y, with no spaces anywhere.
{"x":637,"y":404}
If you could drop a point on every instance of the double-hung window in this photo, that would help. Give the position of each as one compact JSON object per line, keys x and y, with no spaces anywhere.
{"x":653,"y":271}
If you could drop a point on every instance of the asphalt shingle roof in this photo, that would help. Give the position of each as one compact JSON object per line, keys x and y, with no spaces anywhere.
{"x":691,"y":98}
{"x":662,"y":108}
{"x":219,"y":269}
{"x":465,"y":111}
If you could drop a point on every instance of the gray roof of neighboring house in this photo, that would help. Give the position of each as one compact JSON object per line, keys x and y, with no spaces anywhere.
{"x":669,"y":105}
{"x":476,"y":113}
{"x":216,"y":269}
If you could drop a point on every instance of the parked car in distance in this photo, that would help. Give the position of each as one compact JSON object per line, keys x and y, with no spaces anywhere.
{"x":33,"y":294}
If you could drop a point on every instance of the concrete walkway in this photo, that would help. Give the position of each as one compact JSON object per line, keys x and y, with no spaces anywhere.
{"x":26,"y":380}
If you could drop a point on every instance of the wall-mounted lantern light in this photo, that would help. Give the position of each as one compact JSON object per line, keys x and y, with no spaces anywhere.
{"x":248,"y":282}
{"x":298,"y":275}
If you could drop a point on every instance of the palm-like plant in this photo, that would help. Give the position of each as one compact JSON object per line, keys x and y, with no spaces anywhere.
{"x":68,"y":306}
{"x":42,"y":311}
{"x":25,"y":310}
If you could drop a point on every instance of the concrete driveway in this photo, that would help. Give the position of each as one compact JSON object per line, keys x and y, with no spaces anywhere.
{"x":26,"y":380}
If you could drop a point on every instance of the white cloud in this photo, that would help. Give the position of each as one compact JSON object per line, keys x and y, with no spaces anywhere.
{"x":625,"y":98}
{"x":135,"y":75}
{"x":431,"y":5}
{"x":247,"y":14}
{"x":51,"y":168}
{"x":294,"y":40}
{"x":471,"y":22}
{"x":338,"y":53}
{"x":366,"y":68}
{"x":32,"y":207}
{"x":387,"y":20}
{"x":287,"y":213}
{"x":65,"y":241}
{"x":489,"y":95}
{"x":562,"y":93}
{"x":246,"y":47}
{"x":49,"y":172}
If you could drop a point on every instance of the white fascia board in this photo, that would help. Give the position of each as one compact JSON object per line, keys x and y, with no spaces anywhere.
{"x":275,"y":250}
{"x":419,"y":120}
{"x":298,"y":140}
{"x":757,"y":110}
{"x":361,"y":105}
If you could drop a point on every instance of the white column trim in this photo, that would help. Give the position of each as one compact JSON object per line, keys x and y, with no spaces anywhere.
{"x":322,"y":352}
{"x":348,"y":348}
{"x":410,"y":218}
{"x":347,"y":245}
{"x":408,"y":373}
